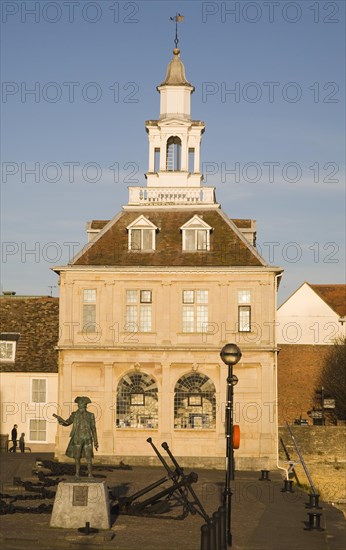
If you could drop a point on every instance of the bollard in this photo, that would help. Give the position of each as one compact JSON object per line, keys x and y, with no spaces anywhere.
{"x":222,"y":510}
{"x":217,"y":522}
{"x":212,"y":535}
{"x":205,"y":537}
{"x":87,"y":530}
{"x":314,"y":522}
{"x":288,"y":486}
{"x":264,"y":475}
{"x":313,"y":501}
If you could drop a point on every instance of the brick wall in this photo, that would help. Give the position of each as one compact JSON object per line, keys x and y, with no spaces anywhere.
{"x":299,"y":368}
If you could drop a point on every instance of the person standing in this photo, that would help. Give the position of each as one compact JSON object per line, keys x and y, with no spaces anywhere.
{"x":14,"y":438}
{"x":22,"y":443}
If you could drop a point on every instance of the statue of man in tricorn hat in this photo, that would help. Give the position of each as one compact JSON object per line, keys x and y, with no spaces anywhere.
{"x":83,"y":435}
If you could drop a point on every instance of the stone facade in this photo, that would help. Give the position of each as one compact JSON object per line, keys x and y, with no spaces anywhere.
{"x":93,"y":364}
{"x":147,"y":305}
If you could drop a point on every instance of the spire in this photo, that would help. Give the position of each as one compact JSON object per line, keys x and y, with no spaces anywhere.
{"x":178,"y":18}
{"x":175,"y":75}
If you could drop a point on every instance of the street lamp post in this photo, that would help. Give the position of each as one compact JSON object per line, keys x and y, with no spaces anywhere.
{"x":230,"y":355}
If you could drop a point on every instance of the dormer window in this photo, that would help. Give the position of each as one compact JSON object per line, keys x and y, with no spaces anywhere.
{"x":7,"y":351}
{"x":8,"y":342}
{"x":141,"y":235}
{"x":196,"y":235}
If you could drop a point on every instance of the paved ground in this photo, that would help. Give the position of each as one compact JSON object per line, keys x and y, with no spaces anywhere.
{"x":263,"y":517}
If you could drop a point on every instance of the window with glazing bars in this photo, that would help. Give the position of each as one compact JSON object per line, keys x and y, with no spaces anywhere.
{"x":89,"y":310}
{"x":244,"y":311}
{"x":196,"y":240}
{"x":137,"y":401}
{"x":138,"y":311}
{"x":37,"y":430}
{"x":142,"y":239}
{"x":194,"y":402}
{"x":195,"y":310}
{"x":38,"y":390}
{"x":7,"y":351}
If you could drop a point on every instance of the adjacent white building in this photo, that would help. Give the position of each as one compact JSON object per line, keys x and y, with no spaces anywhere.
{"x":313,"y":314}
{"x":29,"y":369}
{"x":308,"y":323}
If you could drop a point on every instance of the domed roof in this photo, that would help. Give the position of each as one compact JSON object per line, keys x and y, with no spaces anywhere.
{"x":175,"y":75}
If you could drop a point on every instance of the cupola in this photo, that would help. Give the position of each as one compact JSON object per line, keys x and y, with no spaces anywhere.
{"x":174,"y":175}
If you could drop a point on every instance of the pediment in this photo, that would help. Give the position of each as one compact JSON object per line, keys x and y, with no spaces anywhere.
{"x":196,"y":223}
{"x":141,"y":223}
{"x":174,"y":122}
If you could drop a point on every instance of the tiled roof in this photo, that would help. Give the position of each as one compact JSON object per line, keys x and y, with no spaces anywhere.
{"x":334,"y":296}
{"x":228,"y":247}
{"x":36,"y":321}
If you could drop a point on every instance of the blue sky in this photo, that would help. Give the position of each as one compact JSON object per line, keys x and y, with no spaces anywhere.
{"x":269,"y":81}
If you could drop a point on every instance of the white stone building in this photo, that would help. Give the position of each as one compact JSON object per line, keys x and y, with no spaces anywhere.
{"x":147,"y":305}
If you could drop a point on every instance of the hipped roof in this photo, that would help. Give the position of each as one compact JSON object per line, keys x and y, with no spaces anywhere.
{"x":228,"y":246}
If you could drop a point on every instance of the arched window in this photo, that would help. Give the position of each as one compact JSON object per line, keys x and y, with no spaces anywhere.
{"x":137,"y":402}
{"x":194,"y":402}
{"x":173,"y":157}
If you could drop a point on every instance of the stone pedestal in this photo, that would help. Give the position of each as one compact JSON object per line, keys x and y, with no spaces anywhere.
{"x":77,"y":502}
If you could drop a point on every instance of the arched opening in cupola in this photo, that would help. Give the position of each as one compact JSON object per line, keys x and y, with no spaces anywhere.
{"x":173,"y":156}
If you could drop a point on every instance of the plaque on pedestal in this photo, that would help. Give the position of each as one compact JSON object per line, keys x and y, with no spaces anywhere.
{"x":78,"y":502}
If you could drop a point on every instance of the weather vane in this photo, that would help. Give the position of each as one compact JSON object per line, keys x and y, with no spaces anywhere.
{"x":178,"y":18}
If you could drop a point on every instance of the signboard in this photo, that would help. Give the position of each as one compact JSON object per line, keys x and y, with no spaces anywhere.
{"x":316,"y":414}
{"x":80,"y":495}
{"x":329,"y":403}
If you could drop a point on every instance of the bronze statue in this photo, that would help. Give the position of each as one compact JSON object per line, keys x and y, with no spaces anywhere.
{"x":83,"y":435}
